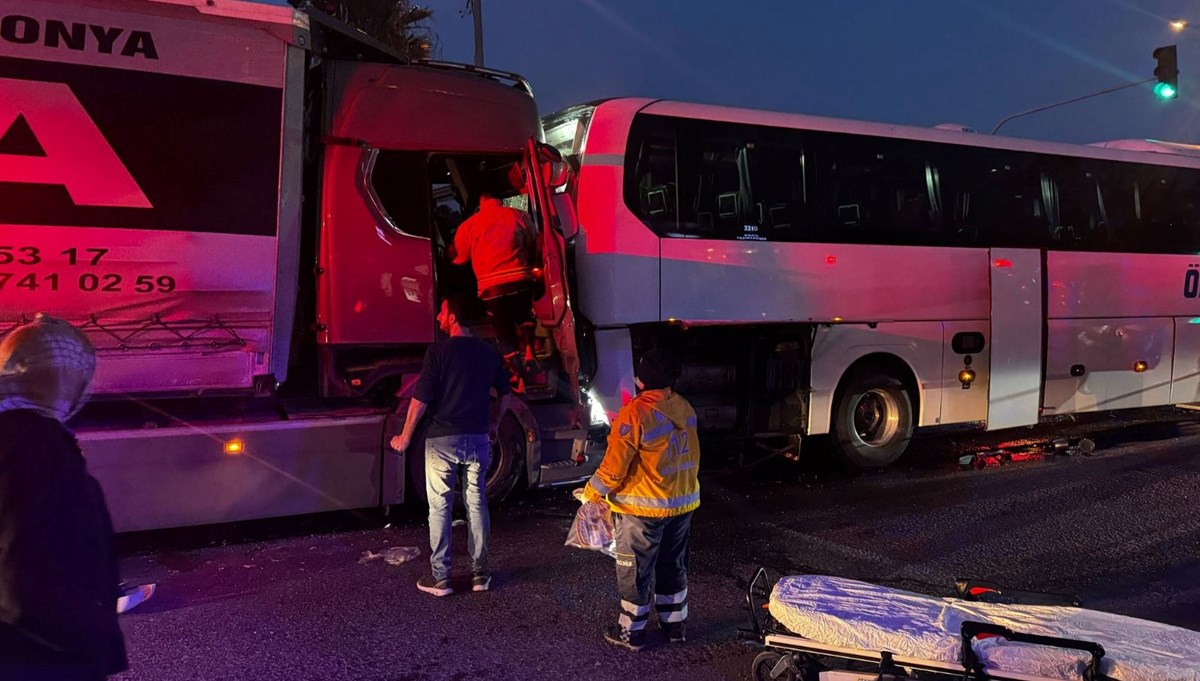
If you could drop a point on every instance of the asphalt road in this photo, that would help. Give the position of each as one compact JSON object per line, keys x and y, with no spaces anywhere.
{"x":1119,"y":528}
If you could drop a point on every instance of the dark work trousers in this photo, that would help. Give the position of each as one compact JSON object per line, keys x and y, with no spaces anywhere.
{"x":652,"y":553}
{"x":508,"y":312}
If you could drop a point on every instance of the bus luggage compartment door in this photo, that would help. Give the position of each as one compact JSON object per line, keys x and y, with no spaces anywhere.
{"x":1015,"y":385}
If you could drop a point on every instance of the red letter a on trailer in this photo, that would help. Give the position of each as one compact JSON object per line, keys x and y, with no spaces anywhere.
{"x":75,"y":153}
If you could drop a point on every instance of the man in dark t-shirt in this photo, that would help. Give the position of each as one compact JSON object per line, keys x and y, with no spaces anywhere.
{"x":455,"y":385}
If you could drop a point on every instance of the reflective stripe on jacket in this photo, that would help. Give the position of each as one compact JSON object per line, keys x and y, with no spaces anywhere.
{"x":650,"y":467}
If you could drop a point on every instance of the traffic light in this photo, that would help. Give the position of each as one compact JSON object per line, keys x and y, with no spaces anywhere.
{"x":1167,"y":73}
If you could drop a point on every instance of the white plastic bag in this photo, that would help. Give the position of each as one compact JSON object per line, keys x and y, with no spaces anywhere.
{"x":592,"y":529}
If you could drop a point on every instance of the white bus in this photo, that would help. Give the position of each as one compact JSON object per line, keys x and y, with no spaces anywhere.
{"x":863,"y":279}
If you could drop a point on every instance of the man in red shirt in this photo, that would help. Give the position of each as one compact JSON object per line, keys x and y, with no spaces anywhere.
{"x":501,"y":244}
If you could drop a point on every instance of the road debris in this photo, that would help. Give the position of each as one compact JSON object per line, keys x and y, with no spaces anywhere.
{"x":396,"y":555}
{"x":1026,"y":451}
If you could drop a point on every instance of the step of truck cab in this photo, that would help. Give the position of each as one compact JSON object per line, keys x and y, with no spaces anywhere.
{"x":560,"y":467}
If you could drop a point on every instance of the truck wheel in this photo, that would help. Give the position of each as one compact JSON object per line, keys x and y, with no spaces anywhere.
{"x":508,"y":459}
{"x":504,"y":469}
{"x":872,"y":418}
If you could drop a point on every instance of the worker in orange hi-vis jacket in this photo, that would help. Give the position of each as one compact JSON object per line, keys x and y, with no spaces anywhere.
{"x":500,"y":243}
{"x":649,"y":479}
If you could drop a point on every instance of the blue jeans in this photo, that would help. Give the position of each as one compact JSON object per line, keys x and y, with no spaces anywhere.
{"x":445,"y":458}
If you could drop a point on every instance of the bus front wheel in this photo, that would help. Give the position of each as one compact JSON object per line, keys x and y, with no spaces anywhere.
{"x":872,"y":418}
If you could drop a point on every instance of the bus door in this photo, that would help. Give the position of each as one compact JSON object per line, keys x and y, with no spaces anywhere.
{"x":1017,"y":323}
{"x":545,"y":172}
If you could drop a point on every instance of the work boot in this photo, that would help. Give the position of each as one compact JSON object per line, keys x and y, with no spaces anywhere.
{"x":620,"y":636}
{"x":531,"y":371}
{"x":674,"y":631}
{"x":516,"y":369}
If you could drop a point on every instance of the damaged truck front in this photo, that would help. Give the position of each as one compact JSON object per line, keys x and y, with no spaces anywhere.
{"x":244,"y":206}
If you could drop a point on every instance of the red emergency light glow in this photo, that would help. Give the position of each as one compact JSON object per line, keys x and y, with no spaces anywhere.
{"x":831,"y":260}
{"x":1002,"y":262}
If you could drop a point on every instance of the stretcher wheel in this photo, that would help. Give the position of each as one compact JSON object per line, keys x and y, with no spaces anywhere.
{"x":766,"y":663}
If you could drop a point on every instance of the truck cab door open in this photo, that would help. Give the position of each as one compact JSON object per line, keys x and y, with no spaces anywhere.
{"x":542,"y":165}
{"x":375,"y":279}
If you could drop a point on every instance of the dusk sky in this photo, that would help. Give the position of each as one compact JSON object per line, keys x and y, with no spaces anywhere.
{"x":918,"y":62}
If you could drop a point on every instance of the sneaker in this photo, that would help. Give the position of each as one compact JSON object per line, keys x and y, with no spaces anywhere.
{"x":675,"y":632}
{"x":481,"y":582}
{"x":618,"y":635}
{"x":133,"y":596}
{"x":431,"y":585}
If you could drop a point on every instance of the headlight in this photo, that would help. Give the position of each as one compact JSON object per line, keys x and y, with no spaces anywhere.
{"x":599,"y":417}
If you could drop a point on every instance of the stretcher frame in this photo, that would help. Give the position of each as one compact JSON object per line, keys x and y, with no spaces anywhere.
{"x":805,"y":659}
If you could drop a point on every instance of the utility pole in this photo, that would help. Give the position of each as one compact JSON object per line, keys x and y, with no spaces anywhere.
{"x":1070,"y":101}
{"x":477,"y":15}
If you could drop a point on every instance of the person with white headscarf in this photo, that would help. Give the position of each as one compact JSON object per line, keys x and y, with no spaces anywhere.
{"x":58,"y":567}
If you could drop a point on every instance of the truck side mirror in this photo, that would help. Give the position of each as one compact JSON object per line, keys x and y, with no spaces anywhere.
{"x":557,"y":170}
{"x":559,"y":173}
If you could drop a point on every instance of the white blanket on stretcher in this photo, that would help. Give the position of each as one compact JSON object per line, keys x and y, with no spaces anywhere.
{"x":852,"y":614}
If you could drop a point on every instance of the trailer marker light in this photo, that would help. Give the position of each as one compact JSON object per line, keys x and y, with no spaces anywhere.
{"x":831,"y":260}
{"x":1003,"y":262}
{"x":234,"y":447}
{"x":966,"y":376}
{"x":1140,"y":366}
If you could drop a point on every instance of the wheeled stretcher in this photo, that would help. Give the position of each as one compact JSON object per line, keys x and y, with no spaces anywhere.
{"x":818,"y":628}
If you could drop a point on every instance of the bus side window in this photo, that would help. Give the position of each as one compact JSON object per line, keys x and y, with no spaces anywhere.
{"x":1122,"y":207}
{"x":780,"y":188}
{"x":655,"y":197}
{"x":715,"y":181}
{"x":1012,"y":203}
{"x":1168,"y":207}
{"x":853,"y":188}
{"x":913,"y":183}
{"x":880,"y":191}
{"x":1081,"y":222}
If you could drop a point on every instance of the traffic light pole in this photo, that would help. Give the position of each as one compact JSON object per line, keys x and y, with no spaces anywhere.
{"x":1071,"y":101}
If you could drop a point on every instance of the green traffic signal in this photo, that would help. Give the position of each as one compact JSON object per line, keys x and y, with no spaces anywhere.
{"x":1167,"y":72}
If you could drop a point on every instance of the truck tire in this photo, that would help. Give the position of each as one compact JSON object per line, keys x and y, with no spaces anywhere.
{"x":504,"y":469}
{"x":508,"y":459}
{"x":872,"y":418}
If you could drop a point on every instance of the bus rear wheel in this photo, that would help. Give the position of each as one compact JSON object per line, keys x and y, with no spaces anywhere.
{"x":872,"y":418}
